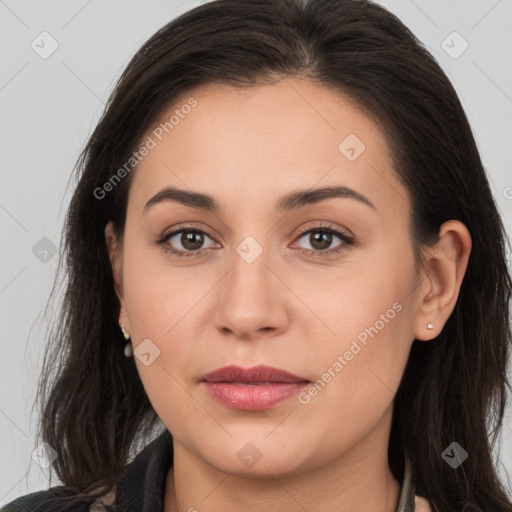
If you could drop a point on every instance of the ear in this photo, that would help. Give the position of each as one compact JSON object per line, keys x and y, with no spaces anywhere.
{"x":115,"y":254}
{"x":445,"y":267}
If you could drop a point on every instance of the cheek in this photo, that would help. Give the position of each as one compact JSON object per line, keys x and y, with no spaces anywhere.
{"x":159,"y":294}
{"x":370,"y":348}
{"x":161,"y":305}
{"x":358,"y":376}
{"x":360,"y":365}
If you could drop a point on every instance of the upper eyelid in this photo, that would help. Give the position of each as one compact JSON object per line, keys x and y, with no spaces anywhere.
{"x":326,"y":227}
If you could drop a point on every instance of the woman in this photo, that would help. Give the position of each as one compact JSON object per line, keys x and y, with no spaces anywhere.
{"x":285,"y":264}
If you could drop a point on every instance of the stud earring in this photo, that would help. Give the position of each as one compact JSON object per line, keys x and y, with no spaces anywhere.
{"x":128,"y":351}
{"x":430,"y":326}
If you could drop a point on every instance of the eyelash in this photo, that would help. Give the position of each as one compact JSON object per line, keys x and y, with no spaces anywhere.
{"x":347,"y":241}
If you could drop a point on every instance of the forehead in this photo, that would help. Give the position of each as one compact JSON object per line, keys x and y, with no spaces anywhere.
{"x":263,"y":141}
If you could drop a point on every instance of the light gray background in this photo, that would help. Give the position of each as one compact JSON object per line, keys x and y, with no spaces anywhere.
{"x":50,"y":106}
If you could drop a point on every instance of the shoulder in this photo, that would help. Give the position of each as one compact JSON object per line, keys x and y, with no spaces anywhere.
{"x":51,"y":501}
{"x":40,"y":501}
{"x":140,"y":484}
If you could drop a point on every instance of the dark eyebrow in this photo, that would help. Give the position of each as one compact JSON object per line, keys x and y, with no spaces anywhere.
{"x":290,"y":202}
{"x":305,"y":197}
{"x":192,"y":199}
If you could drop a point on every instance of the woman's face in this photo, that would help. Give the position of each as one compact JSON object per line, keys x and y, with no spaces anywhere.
{"x":262,"y":280}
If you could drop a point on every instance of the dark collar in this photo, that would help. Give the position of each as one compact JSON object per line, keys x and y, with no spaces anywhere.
{"x":141,"y":485}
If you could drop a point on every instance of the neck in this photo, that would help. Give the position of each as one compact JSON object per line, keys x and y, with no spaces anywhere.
{"x":357,"y":481}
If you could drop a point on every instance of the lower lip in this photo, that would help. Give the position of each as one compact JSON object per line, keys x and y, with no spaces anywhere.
{"x":252,"y":397}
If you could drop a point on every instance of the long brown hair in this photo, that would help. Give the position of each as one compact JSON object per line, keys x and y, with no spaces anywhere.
{"x":93,"y":405}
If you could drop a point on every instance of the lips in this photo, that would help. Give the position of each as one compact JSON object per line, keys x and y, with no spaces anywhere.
{"x":252,"y":389}
{"x":257,"y":374}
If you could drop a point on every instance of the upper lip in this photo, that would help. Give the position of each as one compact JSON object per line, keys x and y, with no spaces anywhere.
{"x":260,"y":373}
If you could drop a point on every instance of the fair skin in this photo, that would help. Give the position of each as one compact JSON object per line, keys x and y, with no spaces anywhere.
{"x":288,"y":309}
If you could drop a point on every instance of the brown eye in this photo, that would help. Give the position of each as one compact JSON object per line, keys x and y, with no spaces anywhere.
{"x":319,"y":239}
{"x":191,"y":240}
{"x":185,"y":242}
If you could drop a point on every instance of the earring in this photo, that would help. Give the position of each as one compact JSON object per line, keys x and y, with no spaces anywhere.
{"x":128,"y":351}
{"x":430,"y":326}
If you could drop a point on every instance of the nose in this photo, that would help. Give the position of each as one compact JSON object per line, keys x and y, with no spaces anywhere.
{"x":252,"y":301}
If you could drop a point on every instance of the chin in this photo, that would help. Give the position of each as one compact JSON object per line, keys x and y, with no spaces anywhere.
{"x":257,"y":459}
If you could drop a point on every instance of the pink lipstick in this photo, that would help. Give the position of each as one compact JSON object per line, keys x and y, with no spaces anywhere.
{"x":252,"y":389}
